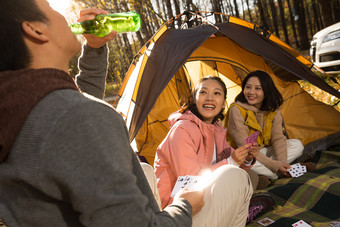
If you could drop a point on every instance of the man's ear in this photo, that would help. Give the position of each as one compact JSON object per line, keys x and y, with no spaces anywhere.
{"x":35,"y":31}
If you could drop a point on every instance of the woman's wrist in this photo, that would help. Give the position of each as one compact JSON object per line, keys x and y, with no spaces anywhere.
{"x":248,"y":163}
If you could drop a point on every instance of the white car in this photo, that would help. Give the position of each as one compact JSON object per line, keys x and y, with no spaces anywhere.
{"x":325,"y":49}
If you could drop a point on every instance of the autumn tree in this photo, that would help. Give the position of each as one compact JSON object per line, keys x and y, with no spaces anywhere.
{"x":301,"y":24}
{"x":294,"y":20}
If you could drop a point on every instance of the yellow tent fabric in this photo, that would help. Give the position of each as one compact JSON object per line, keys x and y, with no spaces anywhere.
{"x":175,"y":59}
{"x":223,"y":58}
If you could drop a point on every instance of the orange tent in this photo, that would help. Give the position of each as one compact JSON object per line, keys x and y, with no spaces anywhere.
{"x":172,"y":61}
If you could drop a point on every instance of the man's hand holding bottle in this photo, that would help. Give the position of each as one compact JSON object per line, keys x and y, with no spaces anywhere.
{"x":92,"y":40}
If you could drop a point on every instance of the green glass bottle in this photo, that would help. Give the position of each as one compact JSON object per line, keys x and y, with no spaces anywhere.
{"x":104,"y":24}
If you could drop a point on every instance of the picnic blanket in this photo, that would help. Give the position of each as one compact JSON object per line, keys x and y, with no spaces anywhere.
{"x":313,"y":197}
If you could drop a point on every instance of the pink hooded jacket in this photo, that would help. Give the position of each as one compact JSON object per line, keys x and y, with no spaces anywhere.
{"x":187,"y":150}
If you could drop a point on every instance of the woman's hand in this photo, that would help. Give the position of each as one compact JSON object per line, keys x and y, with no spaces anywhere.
{"x":240,"y":154}
{"x":283,"y":169}
{"x":253,"y":152}
{"x":92,"y":40}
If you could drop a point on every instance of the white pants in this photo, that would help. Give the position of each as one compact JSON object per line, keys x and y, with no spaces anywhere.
{"x":227,"y":196}
{"x":151,"y":177}
{"x":294,"y":150}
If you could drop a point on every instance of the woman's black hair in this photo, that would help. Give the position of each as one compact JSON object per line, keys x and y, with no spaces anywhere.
{"x":191,"y":105}
{"x":272,"y":97}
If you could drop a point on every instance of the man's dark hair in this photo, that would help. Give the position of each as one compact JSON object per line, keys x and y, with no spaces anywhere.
{"x":191,"y":105}
{"x":14,"y":53}
{"x":272,"y":97}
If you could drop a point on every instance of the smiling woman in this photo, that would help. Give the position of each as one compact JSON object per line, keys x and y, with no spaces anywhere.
{"x":60,"y":5}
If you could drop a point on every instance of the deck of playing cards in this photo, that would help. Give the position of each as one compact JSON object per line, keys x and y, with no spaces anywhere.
{"x":190,"y":182}
{"x":297,"y":170}
{"x":252,"y":138}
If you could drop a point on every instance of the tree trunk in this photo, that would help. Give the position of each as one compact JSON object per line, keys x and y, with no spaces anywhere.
{"x":283,"y":20}
{"x":301,"y":24}
{"x":215,"y":8}
{"x":244,"y":13}
{"x":227,"y":8}
{"x":230,"y":7}
{"x":316,"y":16}
{"x":223,"y":9}
{"x":257,"y":13}
{"x":169,"y":8}
{"x":158,"y":6}
{"x":219,"y":8}
{"x":249,"y":12}
{"x":326,"y":12}
{"x":123,"y":65}
{"x":191,"y":6}
{"x":267,"y":15}
{"x":262,"y":15}
{"x":154,"y":21}
{"x":237,"y":14}
{"x":336,"y":10}
{"x":292,"y":21}
{"x":274,"y":17}
{"x":177,"y":7}
{"x":165,"y":11}
{"x":309,"y":21}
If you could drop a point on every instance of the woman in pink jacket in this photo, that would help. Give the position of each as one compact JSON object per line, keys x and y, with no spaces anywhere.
{"x":197,"y":142}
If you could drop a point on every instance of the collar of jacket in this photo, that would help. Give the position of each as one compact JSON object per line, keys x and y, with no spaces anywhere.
{"x":20,"y":92}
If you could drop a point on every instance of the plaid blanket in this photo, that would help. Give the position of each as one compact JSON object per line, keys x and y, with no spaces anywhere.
{"x":313,"y":197}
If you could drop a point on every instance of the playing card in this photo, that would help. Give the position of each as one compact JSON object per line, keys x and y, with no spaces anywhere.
{"x":296,"y":170}
{"x":178,"y":186}
{"x":190,"y":182}
{"x":296,"y":166}
{"x":295,"y":173}
{"x":265,"y":221}
{"x":301,"y":223}
{"x":335,"y":224}
{"x":252,"y":138}
{"x":304,"y":169}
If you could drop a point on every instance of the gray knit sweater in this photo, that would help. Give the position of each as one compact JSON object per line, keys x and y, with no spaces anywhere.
{"x":72,"y":165}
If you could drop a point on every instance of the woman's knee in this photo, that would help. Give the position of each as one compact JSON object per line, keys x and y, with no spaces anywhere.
{"x":295,"y":143}
{"x":295,"y":146}
{"x":230,"y":173}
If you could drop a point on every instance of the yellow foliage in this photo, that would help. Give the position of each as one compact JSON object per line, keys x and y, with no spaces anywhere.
{"x":321,"y":95}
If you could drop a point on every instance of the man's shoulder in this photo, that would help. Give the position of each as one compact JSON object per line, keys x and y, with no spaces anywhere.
{"x":70,"y":99}
{"x":67,"y":102}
